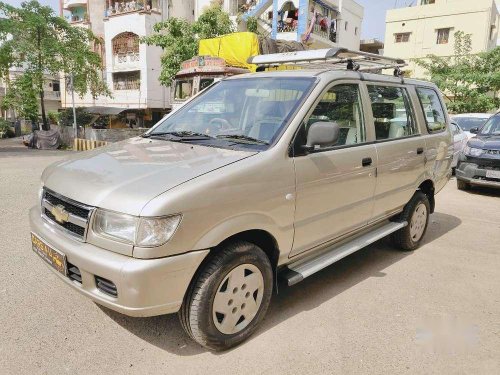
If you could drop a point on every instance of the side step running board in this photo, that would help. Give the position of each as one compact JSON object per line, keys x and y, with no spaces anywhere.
{"x":303,"y":268}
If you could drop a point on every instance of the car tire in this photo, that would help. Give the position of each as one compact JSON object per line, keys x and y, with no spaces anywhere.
{"x":234,"y":282}
{"x":462,"y":185}
{"x":416,"y":214}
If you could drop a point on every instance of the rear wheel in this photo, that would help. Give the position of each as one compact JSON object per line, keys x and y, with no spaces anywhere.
{"x":462,"y":185}
{"x":416,"y":214}
{"x":229,"y":297}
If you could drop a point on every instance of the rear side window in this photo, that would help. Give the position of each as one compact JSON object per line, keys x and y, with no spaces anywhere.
{"x":433,"y":110}
{"x":392,"y":112}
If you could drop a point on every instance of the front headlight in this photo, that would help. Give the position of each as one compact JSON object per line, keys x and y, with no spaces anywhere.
{"x":472,"y":151}
{"x":139,"y":231}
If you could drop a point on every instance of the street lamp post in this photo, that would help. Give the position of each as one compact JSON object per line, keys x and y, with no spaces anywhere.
{"x":75,"y":128}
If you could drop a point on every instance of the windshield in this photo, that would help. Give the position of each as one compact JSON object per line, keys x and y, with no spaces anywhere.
{"x":247,"y":111}
{"x":183,"y":89}
{"x":467,"y":123}
{"x":492,"y":126}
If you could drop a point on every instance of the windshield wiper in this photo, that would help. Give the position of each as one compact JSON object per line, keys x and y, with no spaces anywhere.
{"x":181,"y":135}
{"x":248,"y":139}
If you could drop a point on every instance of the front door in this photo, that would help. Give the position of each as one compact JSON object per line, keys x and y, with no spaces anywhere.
{"x":335,"y":185}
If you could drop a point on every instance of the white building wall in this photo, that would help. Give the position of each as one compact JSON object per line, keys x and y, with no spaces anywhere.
{"x":422,"y":22}
{"x":351,"y":13}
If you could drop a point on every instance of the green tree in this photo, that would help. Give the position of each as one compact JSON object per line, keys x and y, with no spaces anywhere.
{"x":470,"y":81}
{"x":33,"y":38}
{"x":83,"y":118}
{"x":179,"y":39}
{"x":22,"y":96}
{"x":213,"y":22}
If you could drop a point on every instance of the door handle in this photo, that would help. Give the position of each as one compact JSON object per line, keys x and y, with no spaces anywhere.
{"x":420,"y":150}
{"x":366,"y":162}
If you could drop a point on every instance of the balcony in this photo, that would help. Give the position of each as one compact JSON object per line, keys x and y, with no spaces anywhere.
{"x":118,"y":8}
{"x":52,"y":95}
{"x":126,"y":52}
{"x":126,"y":61}
{"x":69,"y":4}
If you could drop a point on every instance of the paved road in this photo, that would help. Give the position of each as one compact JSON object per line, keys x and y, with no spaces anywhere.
{"x":379,"y":311}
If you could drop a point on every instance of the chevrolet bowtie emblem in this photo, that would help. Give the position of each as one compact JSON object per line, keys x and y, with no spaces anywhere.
{"x":60,"y":214}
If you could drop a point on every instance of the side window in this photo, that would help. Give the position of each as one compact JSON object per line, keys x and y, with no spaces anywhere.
{"x":433,"y":110}
{"x":342,"y":105}
{"x":392,"y":112}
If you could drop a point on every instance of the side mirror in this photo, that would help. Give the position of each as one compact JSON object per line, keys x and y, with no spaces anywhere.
{"x":474,"y":130}
{"x":322,"y":133}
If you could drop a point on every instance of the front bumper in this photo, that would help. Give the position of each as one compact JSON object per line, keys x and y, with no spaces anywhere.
{"x":145,"y":287}
{"x":475,"y":174}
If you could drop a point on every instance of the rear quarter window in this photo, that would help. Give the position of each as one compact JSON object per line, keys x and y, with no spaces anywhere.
{"x":435,"y":118}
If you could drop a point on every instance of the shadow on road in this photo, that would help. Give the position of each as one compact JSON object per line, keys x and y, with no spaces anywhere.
{"x":166,"y":333}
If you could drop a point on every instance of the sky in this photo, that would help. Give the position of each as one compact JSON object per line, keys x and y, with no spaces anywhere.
{"x":373,"y":22}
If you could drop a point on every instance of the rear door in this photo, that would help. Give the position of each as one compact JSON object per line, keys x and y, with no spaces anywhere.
{"x":400,"y":147}
{"x":335,"y":184}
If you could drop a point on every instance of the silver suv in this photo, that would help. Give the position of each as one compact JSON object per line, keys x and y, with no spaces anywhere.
{"x":264,"y":175}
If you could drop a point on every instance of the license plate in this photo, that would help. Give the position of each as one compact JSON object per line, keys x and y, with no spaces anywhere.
{"x":493,"y":174}
{"x":53,"y":257}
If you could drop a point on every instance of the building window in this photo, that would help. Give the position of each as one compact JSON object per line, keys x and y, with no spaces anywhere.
{"x":402,"y":37}
{"x":345,"y":26}
{"x":443,"y":35}
{"x":127,"y":80}
{"x":355,"y":31}
{"x":125,"y":43}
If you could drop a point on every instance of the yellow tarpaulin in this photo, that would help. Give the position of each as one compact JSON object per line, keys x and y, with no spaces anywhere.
{"x":235,"y":48}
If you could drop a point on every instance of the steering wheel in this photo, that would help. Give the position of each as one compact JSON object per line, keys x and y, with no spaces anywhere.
{"x":223,"y":123}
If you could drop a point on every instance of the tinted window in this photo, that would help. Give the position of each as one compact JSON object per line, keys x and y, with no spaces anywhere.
{"x":433,"y":110}
{"x":392,"y":112}
{"x":342,"y":105}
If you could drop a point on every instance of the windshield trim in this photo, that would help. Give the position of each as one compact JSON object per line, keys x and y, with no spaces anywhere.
{"x":286,"y":121}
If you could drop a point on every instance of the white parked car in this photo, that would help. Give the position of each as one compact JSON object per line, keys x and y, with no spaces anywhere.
{"x":467,"y":121}
{"x":459,"y":142}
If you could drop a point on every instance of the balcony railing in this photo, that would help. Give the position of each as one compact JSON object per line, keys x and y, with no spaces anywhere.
{"x":52,"y":95}
{"x":327,"y":33}
{"x":119,"y":8}
{"x":126,"y":60}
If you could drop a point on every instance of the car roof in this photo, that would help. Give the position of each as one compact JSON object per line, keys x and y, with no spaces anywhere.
{"x":332,"y":74}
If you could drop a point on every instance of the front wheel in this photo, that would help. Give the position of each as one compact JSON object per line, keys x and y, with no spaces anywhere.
{"x":416,"y":214}
{"x":229,"y":297}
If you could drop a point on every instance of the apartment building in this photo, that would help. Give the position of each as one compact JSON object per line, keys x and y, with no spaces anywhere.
{"x":131,"y":69}
{"x":429,"y":27}
{"x":319,"y":23}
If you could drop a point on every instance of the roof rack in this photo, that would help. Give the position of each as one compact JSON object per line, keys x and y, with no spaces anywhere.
{"x":331,"y":58}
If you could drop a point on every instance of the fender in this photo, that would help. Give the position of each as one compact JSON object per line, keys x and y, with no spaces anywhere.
{"x":248,"y":221}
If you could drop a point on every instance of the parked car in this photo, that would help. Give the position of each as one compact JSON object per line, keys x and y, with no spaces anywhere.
{"x":459,"y":141}
{"x":479,"y":164}
{"x":467,"y":121}
{"x":264,"y":175}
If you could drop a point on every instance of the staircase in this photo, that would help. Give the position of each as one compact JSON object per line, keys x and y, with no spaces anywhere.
{"x":258,"y":9}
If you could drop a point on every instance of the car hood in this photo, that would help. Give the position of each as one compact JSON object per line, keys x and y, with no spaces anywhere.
{"x":125,"y":176}
{"x":485,"y":142}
